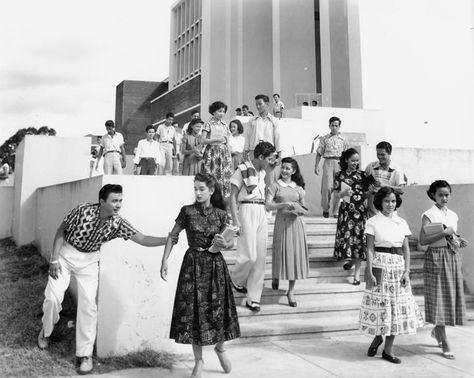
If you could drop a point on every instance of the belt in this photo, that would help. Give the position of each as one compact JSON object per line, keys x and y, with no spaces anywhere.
{"x":332,"y":157}
{"x":392,"y":250}
{"x":111,"y":151}
{"x":166,"y":141}
{"x":256,"y":202}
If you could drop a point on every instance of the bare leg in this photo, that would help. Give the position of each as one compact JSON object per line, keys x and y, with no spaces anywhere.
{"x":223,"y":359}
{"x":198,"y":362}
{"x":357,"y":264}
{"x":389,"y":344}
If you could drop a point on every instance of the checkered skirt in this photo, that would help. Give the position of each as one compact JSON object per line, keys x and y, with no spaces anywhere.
{"x":444,"y":288}
{"x":389,"y":308}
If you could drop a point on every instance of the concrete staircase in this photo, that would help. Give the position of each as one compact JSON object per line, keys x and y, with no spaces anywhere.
{"x":327,"y":300}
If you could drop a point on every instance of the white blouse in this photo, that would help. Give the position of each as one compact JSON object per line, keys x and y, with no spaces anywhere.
{"x":388,"y":232}
{"x":236,"y":143}
{"x":448,"y":218}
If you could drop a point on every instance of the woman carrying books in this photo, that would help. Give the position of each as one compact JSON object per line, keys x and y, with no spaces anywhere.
{"x":290,"y":251}
{"x":444,"y":289}
{"x":388,"y":306}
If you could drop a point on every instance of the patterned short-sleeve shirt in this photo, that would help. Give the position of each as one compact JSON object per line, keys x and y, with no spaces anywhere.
{"x":331,"y":146}
{"x":84,"y":231}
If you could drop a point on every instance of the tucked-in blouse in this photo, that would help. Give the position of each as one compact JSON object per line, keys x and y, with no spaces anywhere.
{"x":448,"y":218}
{"x":236,"y":143}
{"x":216,"y":129}
{"x":201,"y":224}
{"x":388,"y":232}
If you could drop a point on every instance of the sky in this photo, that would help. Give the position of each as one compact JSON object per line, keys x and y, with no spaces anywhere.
{"x":61,"y":60}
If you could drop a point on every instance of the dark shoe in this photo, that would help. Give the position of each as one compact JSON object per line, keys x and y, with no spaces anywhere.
{"x":356,"y":283}
{"x":347,"y":265}
{"x":392,"y":359}
{"x":240,"y":289}
{"x":86,"y":365}
{"x":290,"y":302}
{"x":325,"y":214}
{"x":275,"y":283}
{"x":253,"y":306}
{"x":374,"y":346}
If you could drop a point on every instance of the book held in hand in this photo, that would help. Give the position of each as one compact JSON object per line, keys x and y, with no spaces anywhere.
{"x":228,"y":234}
{"x":435,"y":228}
{"x":299,"y":209}
{"x":344,"y":187}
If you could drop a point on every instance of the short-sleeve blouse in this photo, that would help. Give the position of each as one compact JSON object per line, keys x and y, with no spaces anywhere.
{"x":215,"y":129}
{"x":388,"y":232}
{"x":448,"y":218}
{"x":201,"y":224}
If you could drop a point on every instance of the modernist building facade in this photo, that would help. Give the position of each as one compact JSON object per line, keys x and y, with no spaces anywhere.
{"x":371,"y":54}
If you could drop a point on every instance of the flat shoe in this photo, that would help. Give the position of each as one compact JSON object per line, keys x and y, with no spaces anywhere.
{"x":275,"y":284}
{"x":224,"y":360}
{"x":253,"y":306}
{"x":373,"y":349}
{"x":240,"y":289}
{"x":356,"y":283}
{"x":392,"y":359}
{"x":449,"y":355}
{"x":347,"y":266}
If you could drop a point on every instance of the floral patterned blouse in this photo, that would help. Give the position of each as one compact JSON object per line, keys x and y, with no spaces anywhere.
{"x":215,"y":129}
{"x":201,"y":224}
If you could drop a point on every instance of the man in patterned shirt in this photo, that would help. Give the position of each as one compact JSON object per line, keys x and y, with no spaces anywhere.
{"x":384,"y":173}
{"x":76,"y":252}
{"x":330,"y":148}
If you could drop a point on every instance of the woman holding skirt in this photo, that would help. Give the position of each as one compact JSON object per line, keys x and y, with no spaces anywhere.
{"x":204,"y":310}
{"x":388,"y":306}
{"x":444,"y":288}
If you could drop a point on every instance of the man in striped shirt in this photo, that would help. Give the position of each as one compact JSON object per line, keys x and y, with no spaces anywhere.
{"x":76,"y":252}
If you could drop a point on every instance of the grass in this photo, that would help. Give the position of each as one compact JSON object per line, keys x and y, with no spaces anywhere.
{"x":23,"y":277}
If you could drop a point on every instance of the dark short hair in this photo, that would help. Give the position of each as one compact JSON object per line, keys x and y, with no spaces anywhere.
{"x":240,"y":128}
{"x":149,"y":127}
{"x":169,"y":114}
{"x":435,"y":186}
{"x":107,"y":189}
{"x":216,"y":105}
{"x":384,"y":192}
{"x":346,"y":155}
{"x":189,"y":130}
{"x":384,"y":146}
{"x":194,"y":111}
{"x":276,"y":94}
{"x":238,"y":109}
{"x":245,"y":107}
{"x":263,"y":148}
{"x":43,"y":129}
{"x":334,"y":118}
{"x":262,"y":97}
{"x":109,"y":123}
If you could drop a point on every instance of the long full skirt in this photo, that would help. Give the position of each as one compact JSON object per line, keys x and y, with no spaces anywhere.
{"x":444,"y":287}
{"x":204,"y":310}
{"x":389,"y":307}
{"x":218,"y":162}
{"x":290,"y":249}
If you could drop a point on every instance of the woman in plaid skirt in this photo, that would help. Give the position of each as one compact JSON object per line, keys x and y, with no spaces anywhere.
{"x":444,"y":290}
{"x":388,"y":306}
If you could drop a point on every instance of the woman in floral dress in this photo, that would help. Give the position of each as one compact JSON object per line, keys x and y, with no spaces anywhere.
{"x":204,"y":310}
{"x":217,"y":159}
{"x":350,"y":240}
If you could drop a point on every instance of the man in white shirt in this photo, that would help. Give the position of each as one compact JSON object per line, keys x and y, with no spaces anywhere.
{"x":166,"y":136}
{"x":147,"y":153}
{"x":263,"y":127}
{"x":247,"y":204}
{"x":112,"y":147}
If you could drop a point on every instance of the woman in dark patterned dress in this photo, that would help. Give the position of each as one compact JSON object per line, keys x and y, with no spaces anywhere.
{"x":350,"y":239}
{"x":217,"y":159}
{"x":204,"y":310}
{"x":445,"y":304}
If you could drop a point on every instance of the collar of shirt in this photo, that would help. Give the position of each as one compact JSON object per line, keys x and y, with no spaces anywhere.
{"x":338,"y":135}
{"x":376,"y":165}
{"x":394,"y":218}
{"x":291,"y":184}
{"x":268,"y":116}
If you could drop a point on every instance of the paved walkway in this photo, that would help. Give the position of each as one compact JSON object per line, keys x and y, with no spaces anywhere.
{"x":338,"y":356}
